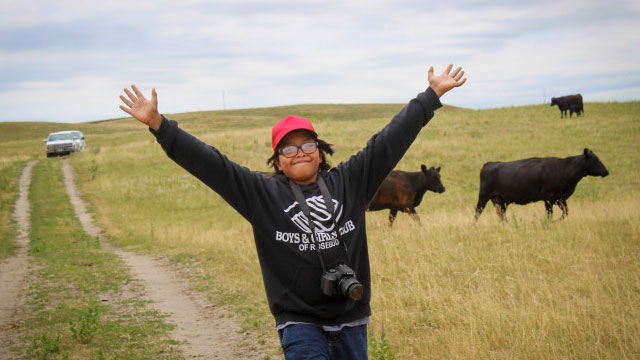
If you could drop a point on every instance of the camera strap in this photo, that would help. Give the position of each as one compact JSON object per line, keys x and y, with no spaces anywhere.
{"x":328,"y":201}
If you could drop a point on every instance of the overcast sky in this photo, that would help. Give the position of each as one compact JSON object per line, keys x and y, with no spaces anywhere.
{"x":61,"y":61}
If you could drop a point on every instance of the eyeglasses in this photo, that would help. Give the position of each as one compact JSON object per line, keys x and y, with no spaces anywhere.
{"x":292,"y":150}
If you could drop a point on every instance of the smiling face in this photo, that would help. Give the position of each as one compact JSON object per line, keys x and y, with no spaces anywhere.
{"x":302,"y":168}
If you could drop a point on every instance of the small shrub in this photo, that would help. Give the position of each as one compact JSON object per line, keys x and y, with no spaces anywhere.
{"x":87,"y":324}
{"x":379,"y":349}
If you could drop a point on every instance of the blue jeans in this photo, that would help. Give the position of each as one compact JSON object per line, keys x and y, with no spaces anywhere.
{"x":306,"y":341}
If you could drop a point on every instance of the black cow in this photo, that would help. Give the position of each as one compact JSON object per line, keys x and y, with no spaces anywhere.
{"x":403,"y":191}
{"x":565,"y":102}
{"x":551,"y":180}
{"x":575,"y":108}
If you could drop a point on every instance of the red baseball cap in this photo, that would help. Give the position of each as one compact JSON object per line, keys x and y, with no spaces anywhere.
{"x":287,"y":125}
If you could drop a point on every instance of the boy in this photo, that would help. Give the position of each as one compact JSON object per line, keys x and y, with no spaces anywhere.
{"x":309,"y":219}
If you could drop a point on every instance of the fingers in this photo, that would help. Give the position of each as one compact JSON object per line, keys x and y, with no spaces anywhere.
{"x":154,"y":96}
{"x":130,"y":95}
{"x":448,"y":80}
{"x":461,"y":82}
{"x":127,"y":102}
{"x":138,"y":92}
{"x":126,"y":110}
{"x":455,"y":73}
{"x":430,"y":75}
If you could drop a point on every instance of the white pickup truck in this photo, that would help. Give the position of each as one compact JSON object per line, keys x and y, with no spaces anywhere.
{"x":64,"y":142}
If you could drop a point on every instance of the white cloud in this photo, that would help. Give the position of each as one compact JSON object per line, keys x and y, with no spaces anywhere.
{"x":75,"y":99}
{"x":36,"y":12}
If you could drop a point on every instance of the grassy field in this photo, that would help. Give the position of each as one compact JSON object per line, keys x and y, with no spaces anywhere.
{"x":450,"y":288}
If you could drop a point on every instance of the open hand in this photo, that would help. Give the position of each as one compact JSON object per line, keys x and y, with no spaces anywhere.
{"x":446,"y":81}
{"x":146,"y":111}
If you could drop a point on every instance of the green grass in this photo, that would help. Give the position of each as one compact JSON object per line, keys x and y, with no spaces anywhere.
{"x":9,"y":193}
{"x":83,"y":303}
{"x":451,"y":288}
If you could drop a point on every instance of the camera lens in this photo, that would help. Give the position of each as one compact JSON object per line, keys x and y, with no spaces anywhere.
{"x":352,"y":288}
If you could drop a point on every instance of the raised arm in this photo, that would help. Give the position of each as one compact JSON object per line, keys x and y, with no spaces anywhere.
{"x":235,"y":183}
{"x":146,"y":111}
{"x":371,"y":165}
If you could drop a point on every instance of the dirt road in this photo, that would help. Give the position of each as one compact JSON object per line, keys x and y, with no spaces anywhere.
{"x":14,"y":270}
{"x":206,"y":332}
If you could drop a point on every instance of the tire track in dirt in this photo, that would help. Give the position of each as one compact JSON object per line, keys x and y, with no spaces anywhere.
{"x":14,"y":270}
{"x":204,"y":331}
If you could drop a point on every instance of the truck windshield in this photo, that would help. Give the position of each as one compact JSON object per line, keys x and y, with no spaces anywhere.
{"x":57,"y":137}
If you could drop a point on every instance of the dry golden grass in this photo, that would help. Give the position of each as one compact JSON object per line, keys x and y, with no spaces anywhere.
{"x":453,"y":289}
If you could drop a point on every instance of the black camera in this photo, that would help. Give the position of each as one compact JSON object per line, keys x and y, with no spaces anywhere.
{"x":341,"y":280}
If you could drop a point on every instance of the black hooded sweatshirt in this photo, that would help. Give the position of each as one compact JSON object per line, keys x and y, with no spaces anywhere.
{"x":288,"y":256}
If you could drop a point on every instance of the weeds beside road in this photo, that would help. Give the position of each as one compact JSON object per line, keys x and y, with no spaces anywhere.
{"x":9,"y":175}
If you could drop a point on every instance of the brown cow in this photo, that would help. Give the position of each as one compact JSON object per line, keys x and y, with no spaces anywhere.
{"x":403,"y":191}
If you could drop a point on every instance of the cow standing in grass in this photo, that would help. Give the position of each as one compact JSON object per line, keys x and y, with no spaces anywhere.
{"x":403,"y":191}
{"x":551,"y":180}
{"x":565,"y":102}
